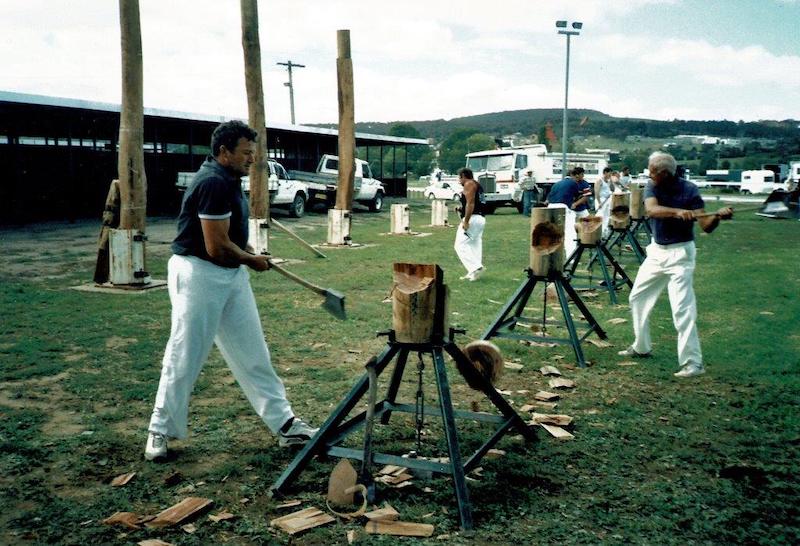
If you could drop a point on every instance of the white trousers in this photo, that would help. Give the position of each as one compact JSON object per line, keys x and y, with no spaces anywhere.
{"x":605,"y":213}
{"x":212,"y":304}
{"x":570,"y":241}
{"x":469,"y":244}
{"x":670,"y":266}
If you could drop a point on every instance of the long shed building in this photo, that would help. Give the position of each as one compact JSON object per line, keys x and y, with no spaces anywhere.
{"x":59,"y":155}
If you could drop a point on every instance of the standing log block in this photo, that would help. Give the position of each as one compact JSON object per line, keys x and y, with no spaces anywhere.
{"x":439,"y":213}
{"x":620,"y":210}
{"x":419,"y":303}
{"x":637,"y":202}
{"x":339,"y":227}
{"x":590,"y":229}
{"x":547,"y":240}
{"x":401,"y":219}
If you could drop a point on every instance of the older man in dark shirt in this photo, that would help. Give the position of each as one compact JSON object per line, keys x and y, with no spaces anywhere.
{"x":673,"y":204}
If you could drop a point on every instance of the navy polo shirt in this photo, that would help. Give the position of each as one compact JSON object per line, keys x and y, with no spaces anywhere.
{"x":680,"y":194}
{"x":215,"y":193}
{"x":566,"y":192}
{"x":582,"y":186}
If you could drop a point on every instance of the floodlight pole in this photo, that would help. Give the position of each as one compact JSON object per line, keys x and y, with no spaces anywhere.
{"x":562,"y":25}
{"x":289,"y":65}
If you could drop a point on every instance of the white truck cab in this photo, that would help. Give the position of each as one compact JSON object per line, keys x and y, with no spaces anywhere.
{"x":284,"y":192}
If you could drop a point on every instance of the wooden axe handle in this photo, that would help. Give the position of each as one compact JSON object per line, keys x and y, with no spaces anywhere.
{"x":296,"y":278}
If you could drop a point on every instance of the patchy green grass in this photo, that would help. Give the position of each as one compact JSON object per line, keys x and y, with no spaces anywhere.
{"x":655,"y":460}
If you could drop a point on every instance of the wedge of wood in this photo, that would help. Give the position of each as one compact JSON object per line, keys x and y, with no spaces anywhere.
{"x":557,"y":432}
{"x":551,"y":419}
{"x":300,"y":521}
{"x":399,"y":528}
{"x":387,"y":513}
{"x":178,"y":513}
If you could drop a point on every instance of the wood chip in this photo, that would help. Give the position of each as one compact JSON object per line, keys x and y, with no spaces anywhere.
{"x":319,"y":345}
{"x":545,"y":396}
{"x":527,"y":408}
{"x":522,"y":391}
{"x":549,"y":370}
{"x":561,"y":383}
{"x":548,"y":405}
{"x":766,"y":313}
{"x":126,"y":519}
{"x":222,"y":516}
{"x":244,"y":500}
{"x":600,"y":343}
{"x":400,"y":478}
{"x":551,"y":419}
{"x":512,"y":366}
{"x":617,"y":320}
{"x":122,"y":479}
{"x":289,"y":504}
{"x":399,"y":528}
{"x":391,"y":469}
{"x":387,"y":513}
{"x":189,"y":528}
{"x":627,"y":363}
{"x":558,"y":357}
{"x":504,"y":393}
{"x":557,"y":432}
{"x":495,"y":453}
{"x":153,"y":542}
{"x":187,"y":508}
{"x":351,"y":536}
{"x":300,"y":521}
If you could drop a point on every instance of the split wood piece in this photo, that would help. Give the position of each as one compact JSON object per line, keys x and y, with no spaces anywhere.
{"x":551,"y":419}
{"x":351,"y":536}
{"x":545,"y":396}
{"x":153,"y":542}
{"x":128,"y":519}
{"x":512,"y":366}
{"x":527,"y":408}
{"x":387,"y":513}
{"x":289,"y":504}
{"x":495,"y":453}
{"x":187,"y":508}
{"x":561,"y":383}
{"x":617,"y":320}
{"x":599,"y":343}
{"x":394,"y":480}
{"x":399,"y":528}
{"x":343,"y":478}
{"x":557,"y":432}
{"x":122,"y":479}
{"x":627,"y":363}
{"x":549,"y":370}
{"x":190,"y":528}
{"x":548,"y":405}
{"x":222,"y":516}
{"x":392,"y":470}
{"x":300,"y":521}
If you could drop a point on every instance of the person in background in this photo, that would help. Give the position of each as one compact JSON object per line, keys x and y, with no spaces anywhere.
{"x":530,"y":192}
{"x":625,"y":179}
{"x":603,"y":188}
{"x":469,"y":235}
{"x":673,"y":205}
{"x":570,"y":194}
{"x":212,"y":301}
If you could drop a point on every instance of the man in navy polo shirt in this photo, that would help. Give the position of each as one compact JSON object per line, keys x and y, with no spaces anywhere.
{"x":673,"y":205}
{"x":212,"y":301}
{"x":571,"y":193}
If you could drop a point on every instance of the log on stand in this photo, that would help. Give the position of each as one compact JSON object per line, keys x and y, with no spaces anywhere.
{"x":547,"y":240}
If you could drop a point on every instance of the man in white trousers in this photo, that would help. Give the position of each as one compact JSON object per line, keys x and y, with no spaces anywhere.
{"x":673,"y":205}
{"x":212,"y":301}
{"x":469,"y":235}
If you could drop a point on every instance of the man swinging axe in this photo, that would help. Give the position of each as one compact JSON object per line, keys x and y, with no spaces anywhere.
{"x":673,"y":205}
{"x":212,"y":301}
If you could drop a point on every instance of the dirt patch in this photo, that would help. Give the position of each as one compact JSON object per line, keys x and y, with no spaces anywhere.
{"x":116,"y":342}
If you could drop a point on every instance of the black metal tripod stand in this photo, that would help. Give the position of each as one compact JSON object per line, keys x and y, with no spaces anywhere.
{"x":611,"y":280}
{"x":337,"y":427}
{"x":618,"y":236}
{"x":512,"y":313}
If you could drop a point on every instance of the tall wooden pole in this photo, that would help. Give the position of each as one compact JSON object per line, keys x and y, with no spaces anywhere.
{"x":251,"y":44}
{"x":347,"y":140}
{"x":132,"y":179}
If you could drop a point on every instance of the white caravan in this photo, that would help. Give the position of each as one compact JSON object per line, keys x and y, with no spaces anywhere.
{"x":760,"y":181}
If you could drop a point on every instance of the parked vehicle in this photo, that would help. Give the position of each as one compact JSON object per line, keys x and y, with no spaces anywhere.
{"x":502,"y":169}
{"x":450,"y":191}
{"x":794,"y":175}
{"x":758,"y":181}
{"x":367,"y":190}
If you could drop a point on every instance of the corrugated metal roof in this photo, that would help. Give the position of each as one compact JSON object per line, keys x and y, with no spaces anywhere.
{"x":44,"y":100}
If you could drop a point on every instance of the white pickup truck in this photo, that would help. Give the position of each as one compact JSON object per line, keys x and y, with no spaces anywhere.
{"x":367,"y":190}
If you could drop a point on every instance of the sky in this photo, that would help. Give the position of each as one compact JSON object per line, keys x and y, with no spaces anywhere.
{"x":423,"y":59}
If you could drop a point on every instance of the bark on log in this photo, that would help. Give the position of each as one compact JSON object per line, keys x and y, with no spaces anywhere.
{"x":419,"y":303}
{"x":110,"y":221}
{"x":130,"y":166}
{"x":347,"y":141}
{"x":547,"y":241}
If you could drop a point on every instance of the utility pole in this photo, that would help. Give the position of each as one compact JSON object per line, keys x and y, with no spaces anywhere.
{"x":289,"y":65}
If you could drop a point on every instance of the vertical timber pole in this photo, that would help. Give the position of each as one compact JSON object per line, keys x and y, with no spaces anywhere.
{"x":259,"y":194}
{"x":339,"y":218}
{"x":127,"y":250}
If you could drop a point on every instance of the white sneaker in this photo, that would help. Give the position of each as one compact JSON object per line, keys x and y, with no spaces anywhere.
{"x":475,"y":275}
{"x":631,"y":353}
{"x":690,"y":370}
{"x":156,"y":447}
{"x":299,"y":432}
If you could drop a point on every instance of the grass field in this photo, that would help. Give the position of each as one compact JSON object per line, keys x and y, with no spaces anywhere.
{"x":655,"y":460}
